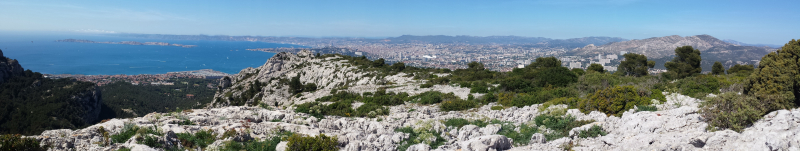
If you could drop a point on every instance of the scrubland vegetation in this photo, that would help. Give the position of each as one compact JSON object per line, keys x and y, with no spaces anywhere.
{"x":745,"y":93}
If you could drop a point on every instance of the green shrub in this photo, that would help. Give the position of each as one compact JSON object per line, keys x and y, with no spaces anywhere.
{"x":200,"y":139}
{"x":416,"y":136}
{"x":149,"y":140}
{"x":488,"y":98}
{"x":16,"y":142}
{"x":561,"y":125}
{"x":594,"y":131}
{"x":128,"y":130}
{"x":776,"y":81}
{"x":298,"y":142}
{"x":229,"y":133}
{"x":371,"y":110}
{"x":571,"y":102}
{"x":498,"y":107}
{"x":426,"y":85}
{"x":432,"y":97}
{"x":539,"y":97}
{"x":650,"y":108}
{"x":460,"y":122}
{"x":732,"y":111}
{"x":479,"y":87}
{"x":615,"y":100}
{"x":457,"y":105}
{"x":525,"y":132}
{"x":266,"y":145}
{"x":698,"y":86}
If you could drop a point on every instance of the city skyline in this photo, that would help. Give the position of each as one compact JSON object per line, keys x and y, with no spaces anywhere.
{"x":745,"y":21}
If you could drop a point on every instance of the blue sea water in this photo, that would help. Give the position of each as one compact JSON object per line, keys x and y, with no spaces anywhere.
{"x":39,"y":52}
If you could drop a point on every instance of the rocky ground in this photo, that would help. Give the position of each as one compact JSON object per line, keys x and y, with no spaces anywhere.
{"x":676,"y":125}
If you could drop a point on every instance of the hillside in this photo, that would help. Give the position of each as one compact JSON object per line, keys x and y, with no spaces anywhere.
{"x":30,"y":103}
{"x":369,"y":105}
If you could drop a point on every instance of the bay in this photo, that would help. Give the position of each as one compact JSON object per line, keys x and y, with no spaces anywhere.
{"x":39,"y":52}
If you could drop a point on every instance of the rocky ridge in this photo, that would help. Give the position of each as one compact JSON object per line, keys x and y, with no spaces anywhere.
{"x":9,"y":68}
{"x":659,"y":47}
{"x":677,"y":125}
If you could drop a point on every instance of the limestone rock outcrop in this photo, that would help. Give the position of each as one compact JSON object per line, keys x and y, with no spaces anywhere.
{"x":677,"y":127}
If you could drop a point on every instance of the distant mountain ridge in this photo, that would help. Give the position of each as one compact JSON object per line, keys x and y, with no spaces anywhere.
{"x":663,"y":49}
{"x":746,"y":44}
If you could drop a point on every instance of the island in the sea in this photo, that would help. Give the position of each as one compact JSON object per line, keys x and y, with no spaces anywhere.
{"x":127,"y":43}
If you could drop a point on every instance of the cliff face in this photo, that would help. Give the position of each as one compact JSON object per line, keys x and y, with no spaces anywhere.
{"x":90,"y":101}
{"x":9,"y":68}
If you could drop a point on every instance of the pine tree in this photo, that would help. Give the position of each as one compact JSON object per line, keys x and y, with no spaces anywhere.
{"x":717,"y":69}
{"x":544,"y":62}
{"x":775,"y":81}
{"x":596,"y":67}
{"x":635,"y":65}
{"x":685,"y":64}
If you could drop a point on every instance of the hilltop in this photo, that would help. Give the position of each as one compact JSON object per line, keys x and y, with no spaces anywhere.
{"x":370,"y":105}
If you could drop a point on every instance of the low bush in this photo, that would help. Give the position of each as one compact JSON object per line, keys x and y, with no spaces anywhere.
{"x":732,"y":111}
{"x":457,"y":105}
{"x":561,"y":125}
{"x":571,"y":102}
{"x":618,"y":99}
{"x":129,"y":130}
{"x":538,"y":97}
{"x":426,"y":85}
{"x":460,"y":122}
{"x":321,"y":142}
{"x":371,"y":110}
{"x":698,"y":86}
{"x":594,"y":131}
{"x":149,"y":140}
{"x":266,"y":145}
{"x":497,"y":108}
{"x":416,"y":136}
{"x":525,"y":132}
{"x":479,"y":87}
{"x":650,"y":108}
{"x":16,"y":142}
{"x":200,"y":139}
{"x":433,"y":97}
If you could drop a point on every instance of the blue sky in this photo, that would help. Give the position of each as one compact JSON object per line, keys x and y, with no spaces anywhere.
{"x":766,"y":22}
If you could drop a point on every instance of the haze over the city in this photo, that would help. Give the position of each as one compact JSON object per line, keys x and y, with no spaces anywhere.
{"x":764,"y":22}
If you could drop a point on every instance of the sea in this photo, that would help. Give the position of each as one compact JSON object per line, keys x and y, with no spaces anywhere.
{"x":40,"y":53}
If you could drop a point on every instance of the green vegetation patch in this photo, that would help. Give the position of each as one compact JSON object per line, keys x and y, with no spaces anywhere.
{"x":618,"y":99}
{"x":732,"y":111}
{"x":31,"y":104}
{"x":524,"y":134}
{"x":420,"y":135}
{"x":320,"y":142}
{"x":594,"y":131}
{"x":199,"y":139}
{"x":16,"y":142}
{"x":125,"y":100}
{"x":560,"y":124}
{"x":460,"y":122}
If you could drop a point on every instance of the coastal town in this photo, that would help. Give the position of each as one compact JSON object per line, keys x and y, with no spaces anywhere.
{"x":144,"y":79}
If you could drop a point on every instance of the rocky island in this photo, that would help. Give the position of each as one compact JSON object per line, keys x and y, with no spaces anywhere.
{"x":128,"y":43}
